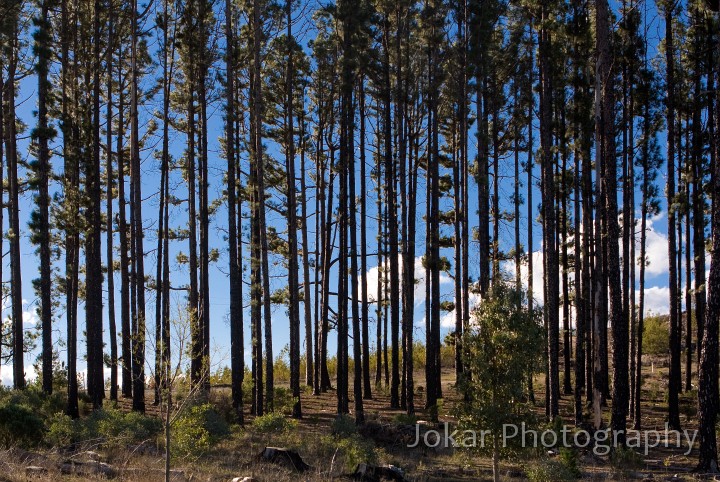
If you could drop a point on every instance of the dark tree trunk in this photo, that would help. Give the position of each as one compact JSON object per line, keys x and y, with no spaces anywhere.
{"x":13,"y":206}
{"x":43,"y":134}
{"x":93,"y":254}
{"x":708,"y":367}
{"x":125,"y":335}
{"x":110,"y":243}
{"x":605,"y":125}
{"x":293,"y":283}
{"x":137,"y":229}
{"x":365,"y":312}
{"x":674,"y":384}
{"x":550,"y":255}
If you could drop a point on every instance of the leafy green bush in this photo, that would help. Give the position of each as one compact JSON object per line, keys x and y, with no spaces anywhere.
{"x":273,"y":422}
{"x":625,"y":459}
{"x":62,"y":430}
{"x":569,"y":459}
{"x":343,"y":426}
{"x":197,"y":430}
{"x":356,"y":449}
{"x":405,"y":419}
{"x":549,"y":471}
{"x":283,"y":400}
{"x":656,"y":335}
{"x":35,"y":399}
{"x":19,"y":425}
{"x":116,"y":427}
{"x":222,"y":402}
{"x":108,"y":427}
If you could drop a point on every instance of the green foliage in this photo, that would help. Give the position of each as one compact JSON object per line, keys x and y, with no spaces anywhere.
{"x":447,"y":353}
{"x":283,"y":400}
{"x":343,"y":426}
{"x":501,"y":352}
{"x":108,"y":427}
{"x":348,"y":450}
{"x":222,"y":403}
{"x":35,"y":399}
{"x":356,"y":449}
{"x":196,"y":430}
{"x":570,"y":460}
{"x":19,"y":425}
{"x":405,"y":419}
{"x":656,"y":335}
{"x":549,"y":471}
{"x":273,"y":422}
{"x":221,"y":377}
{"x":61,"y":430}
{"x":625,"y":459}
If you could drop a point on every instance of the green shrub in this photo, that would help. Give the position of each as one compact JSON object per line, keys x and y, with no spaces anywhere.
{"x":343,"y":426}
{"x":356,"y":449}
{"x":35,"y":399}
{"x":283,"y":400}
{"x":549,"y":471}
{"x":405,"y":419}
{"x":62,"y":430}
{"x":625,"y":459}
{"x":197,"y":430}
{"x":189,"y":438}
{"x":108,"y":427}
{"x":569,"y":459}
{"x":222,"y":402}
{"x":273,"y":422}
{"x":656,"y":335}
{"x":19,"y":425}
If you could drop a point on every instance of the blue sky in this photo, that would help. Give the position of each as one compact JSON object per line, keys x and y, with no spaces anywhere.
{"x":657,"y":293}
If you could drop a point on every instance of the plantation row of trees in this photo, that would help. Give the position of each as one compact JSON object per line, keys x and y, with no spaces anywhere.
{"x":352,"y":135}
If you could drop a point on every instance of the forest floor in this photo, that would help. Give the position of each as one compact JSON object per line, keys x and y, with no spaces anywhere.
{"x":385,"y":442}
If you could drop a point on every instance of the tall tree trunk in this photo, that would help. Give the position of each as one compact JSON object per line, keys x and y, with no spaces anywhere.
{"x":307,"y":299}
{"x":125,"y":335}
{"x":43,"y":134}
{"x":71,"y":191}
{"x":708,"y":367}
{"x":605,"y":124}
{"x":293,"y":283}
{"x":13,"y":202}
{"x":392,"y":220}
{"x":365,"y":312}
{"x":550,"y":255}
{"x":110,"y":243}
{"x":136,"y":227}
{"x":698,"y":206}
{"x":204,"y":293}
{"x":93,"y":256}
{"x":237,"y":347}
{"x":674,"y":384}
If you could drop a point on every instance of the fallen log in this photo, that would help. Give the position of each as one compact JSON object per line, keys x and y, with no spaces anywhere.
{"x":288,"y":457}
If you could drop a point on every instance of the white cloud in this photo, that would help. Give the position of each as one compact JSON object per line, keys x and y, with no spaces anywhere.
{"x":373,"y":274}
{"x":657,"y":300}
{"x":6,"y":374}
{"x":656,"y":246}
{"x":448,"y":319}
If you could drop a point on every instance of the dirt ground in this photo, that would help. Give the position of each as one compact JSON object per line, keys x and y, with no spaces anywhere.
{"x":386,"y":437}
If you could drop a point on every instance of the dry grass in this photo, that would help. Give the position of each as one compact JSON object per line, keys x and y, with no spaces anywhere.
{"x":237,"y":455}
